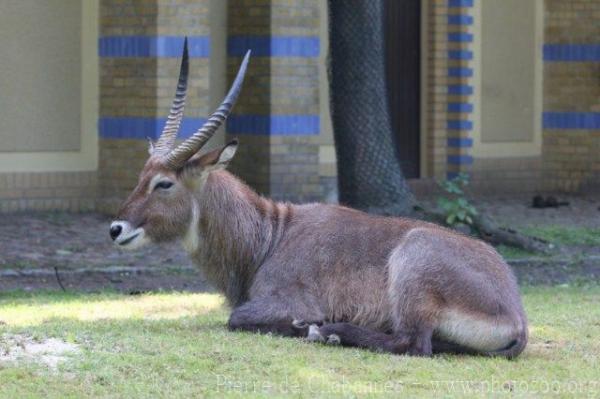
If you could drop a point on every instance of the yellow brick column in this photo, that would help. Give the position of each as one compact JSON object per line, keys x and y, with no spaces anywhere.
{"x":140,"y":50}
{"x":459,"y":108}
{"x":277,"y":118}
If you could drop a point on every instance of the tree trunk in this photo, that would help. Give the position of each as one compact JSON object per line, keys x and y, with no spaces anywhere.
{"x":369,"y":174}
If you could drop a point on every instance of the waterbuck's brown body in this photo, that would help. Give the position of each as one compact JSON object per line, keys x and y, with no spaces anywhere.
{"x":324,"y":272}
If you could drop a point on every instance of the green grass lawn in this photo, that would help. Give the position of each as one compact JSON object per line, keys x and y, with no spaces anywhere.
{"x":555,"y":234}
{"x":564,"y":235}
{"x":176,"y":345}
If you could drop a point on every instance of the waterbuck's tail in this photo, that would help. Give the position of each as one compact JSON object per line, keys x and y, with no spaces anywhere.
{"x":515,"y":347}
{"x":512,"y":350}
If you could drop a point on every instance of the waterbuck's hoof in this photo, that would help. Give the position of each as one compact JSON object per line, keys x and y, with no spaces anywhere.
{"x":314,"y":335}
{"x":299,"y":324}
{"x":333,"y":339}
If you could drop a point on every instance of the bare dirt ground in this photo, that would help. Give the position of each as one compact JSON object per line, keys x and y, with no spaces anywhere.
{"x":71,"y":241}
{"x":79,"y":247}
{"x":517,"y":211}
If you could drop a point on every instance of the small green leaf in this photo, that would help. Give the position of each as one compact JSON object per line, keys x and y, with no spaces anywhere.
{"x":451,"y":219}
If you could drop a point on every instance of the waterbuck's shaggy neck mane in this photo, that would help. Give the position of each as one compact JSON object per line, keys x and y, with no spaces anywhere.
{"x":237,"y":231}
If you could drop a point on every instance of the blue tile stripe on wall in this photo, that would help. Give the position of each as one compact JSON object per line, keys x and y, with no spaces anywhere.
{"x":460,"y":159}
{"x":460,"y":90}
{"x":302,"y":125}
{"x":460,"y":54}
{"x":460,"y":72}
{"x":142,"y":128}
{"x":460,"y":142}
{"x":274,"y":46}
{"x":572,"y":52}
{"x":460,"y":107}
{"x":460,"y":3}
{"x":152,"y":46}
{"x":459,"y":124}
{"x":571,"y":120}
{"x":462,"y":37}
{"x":459,"y":19}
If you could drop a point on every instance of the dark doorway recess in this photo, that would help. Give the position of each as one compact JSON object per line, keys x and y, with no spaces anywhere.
{"x":403,"y":73}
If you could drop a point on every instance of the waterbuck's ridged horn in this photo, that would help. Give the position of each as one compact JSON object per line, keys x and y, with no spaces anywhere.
{"x":177,"y":157}
{"x":165,"y":142}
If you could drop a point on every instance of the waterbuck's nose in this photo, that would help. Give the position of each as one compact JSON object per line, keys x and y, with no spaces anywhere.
{"x":115,"y":230}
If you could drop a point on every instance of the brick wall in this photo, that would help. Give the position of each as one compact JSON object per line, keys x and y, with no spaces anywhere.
{"x":449,"y":87}
{"x":571,"y":140}
{"x":514,"y":175}
{"x":436,"y":93}
{"x":570,"y":150}
{"x":72,"y":191}
{"x":277,"y":118}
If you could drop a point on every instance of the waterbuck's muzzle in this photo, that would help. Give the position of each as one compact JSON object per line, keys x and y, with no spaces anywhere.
{"x":124,"y":234}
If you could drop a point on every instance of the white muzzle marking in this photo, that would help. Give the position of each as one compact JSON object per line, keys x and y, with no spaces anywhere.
{"x":129,"y":238}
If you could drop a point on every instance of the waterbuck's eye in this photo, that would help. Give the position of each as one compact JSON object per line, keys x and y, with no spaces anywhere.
{"x":163,"y":185}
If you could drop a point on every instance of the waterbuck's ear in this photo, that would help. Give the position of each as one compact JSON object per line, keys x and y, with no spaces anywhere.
{"x":215,"y":159}
{"x":227,"y":153}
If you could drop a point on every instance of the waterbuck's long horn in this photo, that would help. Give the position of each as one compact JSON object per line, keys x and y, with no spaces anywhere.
{"x":165,"y":142}
{"x":177,"y":158}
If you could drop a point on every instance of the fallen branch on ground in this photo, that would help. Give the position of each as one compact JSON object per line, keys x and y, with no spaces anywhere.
{"x":491,"y":232}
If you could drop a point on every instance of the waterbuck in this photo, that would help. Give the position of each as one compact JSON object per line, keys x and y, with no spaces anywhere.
{"x":324,"y":272}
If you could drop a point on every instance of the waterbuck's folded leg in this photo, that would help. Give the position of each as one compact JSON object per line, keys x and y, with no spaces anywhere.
{"x":273,"y":316}
{"x":347,"y":334}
